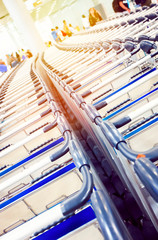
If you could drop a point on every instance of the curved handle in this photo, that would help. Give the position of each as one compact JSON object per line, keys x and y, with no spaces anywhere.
{"x":135,"y":51}
{"x":148,"y":174}
{"x":151,"y":154}
{"x":82,"y":196}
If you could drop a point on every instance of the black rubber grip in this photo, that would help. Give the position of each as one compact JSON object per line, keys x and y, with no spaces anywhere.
{"x":102,"y":94}
{"x":3,"y":94}
{"x":4,"y":89}
{"x":69,"y":81}
{"x":10,"y":107}
{"x":130,"y":39}
{"x":64,"y":77}
{"x":140,"y":19}
{"x":155,"y":83}
{"x":45,"y":112}
{"x":135,"y":51}
{"x":40,"y":94}
{"x":55,"y":71}
{"x":131,"y":21}
{"x":154,"y":54}
{"x":77,"y":86}
{"x":36,"y":81}
{"x":36,"y":84}
{"x":142,"y":71}
{"x":33,"y":77}
{"x":116,"y":46}
{"x":91,"y":51}
{"x":99,"y":51}
{"x":46,"y":174}
{"x":119,"y":105}
{"x":143,"y":37}
{"x":49,"y":127}
{"x":42,"y":101}
{"x":43,"y":144}
{"x":119,"y":51}
{"x":3,"y":167}
{"x":2,"y":99}
{"x":86,"y":93}
{"x":50,"y":67}
{"x":147,"y":46}
{"x":133,"y":127}
{"x":101,"y":105}
{"x":5,"y":147}
{"x":121,"y":122}
{"x":60,"y":74}
{"x":36,"y":129}
{"x":39,"y":88}
{"x":151,"y":16}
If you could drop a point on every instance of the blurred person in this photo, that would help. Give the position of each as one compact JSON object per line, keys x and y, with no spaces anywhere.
{"x":72,"y":29}
{"x":28,"y":53}
{"x":14,"y":60}
{"x":2,"y":62}
{"x":63,"y":33}
{"x":18,"y":57}
{"x":49,"y":44}
{"x":60,"y":36}
{"x":120,"y":6}
{"x":77,"y":28}
{"x":23,"y":54}
{"x":9,"y":60}
{"x":54,"y":34}
{"x":85,"y":22}
{"x":94,"y":16}
{"x":3,"y":66}
{"x":66,"y":29}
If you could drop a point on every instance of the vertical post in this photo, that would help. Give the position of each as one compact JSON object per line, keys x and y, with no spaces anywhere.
{"x":25,"y":24}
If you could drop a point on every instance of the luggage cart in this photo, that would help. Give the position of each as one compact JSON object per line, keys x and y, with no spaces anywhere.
{"x":27,"y":183}
{"x":149,"y":88}
{"x":86,"y":182}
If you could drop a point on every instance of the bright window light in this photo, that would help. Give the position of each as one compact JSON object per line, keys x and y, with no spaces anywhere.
{"x":31,"y":4}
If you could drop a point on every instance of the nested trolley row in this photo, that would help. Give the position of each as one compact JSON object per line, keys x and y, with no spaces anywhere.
{"x":78,"y":136}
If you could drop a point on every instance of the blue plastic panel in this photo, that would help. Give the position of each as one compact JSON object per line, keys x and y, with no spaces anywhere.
{"x":38,"y":185}
{"x":69,"y":225}
{"x":130,"y":104}
{"x":131,"y":134}
{"x":43,"y":150}
{"x":118,"y":90}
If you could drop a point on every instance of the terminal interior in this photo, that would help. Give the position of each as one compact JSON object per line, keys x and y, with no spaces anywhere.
{"x":78,"y":122}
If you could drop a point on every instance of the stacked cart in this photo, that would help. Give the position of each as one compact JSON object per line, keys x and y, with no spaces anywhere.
{"x":79,"y":136}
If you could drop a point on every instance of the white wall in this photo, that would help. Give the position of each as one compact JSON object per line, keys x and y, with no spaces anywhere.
{"x":10,"y":40}
{"x":44,"y":27}
{"x":107,"y":4}
{"x":72,"y":14}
